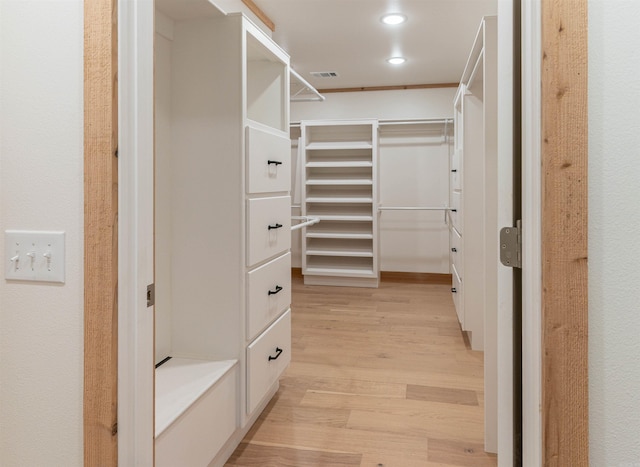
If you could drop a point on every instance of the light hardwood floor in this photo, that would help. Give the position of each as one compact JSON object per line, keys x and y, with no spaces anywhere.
{"x":378,"y":378}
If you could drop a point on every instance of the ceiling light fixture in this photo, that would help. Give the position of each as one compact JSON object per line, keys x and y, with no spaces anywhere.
{"x":396,"y":60}
{"x":393,"y":19}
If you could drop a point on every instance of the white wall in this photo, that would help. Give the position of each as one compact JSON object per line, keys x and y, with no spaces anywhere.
{"x":41,"y":188}
{"x":614,"y":232}
{"x":413,"y":171}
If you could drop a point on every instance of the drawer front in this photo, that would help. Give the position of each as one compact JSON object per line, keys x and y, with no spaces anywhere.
{"x":267,"y":357}
{"x":456,"y":170}
{"x":268,"y":293}
{"x":455,"y":250}
{"x":268,"y":162}
{"x":456,"y":211}
{"x":196,"y":437}
{"x":456,"y":292}
{"x":268,"y":228}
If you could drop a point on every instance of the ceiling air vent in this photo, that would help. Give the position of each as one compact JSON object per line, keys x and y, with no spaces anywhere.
{"x":324,"y":74}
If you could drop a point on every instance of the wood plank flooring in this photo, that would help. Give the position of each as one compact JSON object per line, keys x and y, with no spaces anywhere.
{"x":378,"y":378}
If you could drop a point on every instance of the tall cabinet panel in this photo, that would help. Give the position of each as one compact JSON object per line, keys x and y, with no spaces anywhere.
{"x":340,"y":186}
{"x":223,"y":231}
{"x":473,"y":187}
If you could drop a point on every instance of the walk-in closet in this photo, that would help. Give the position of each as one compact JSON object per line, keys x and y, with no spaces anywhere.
{"x":325,"y":252}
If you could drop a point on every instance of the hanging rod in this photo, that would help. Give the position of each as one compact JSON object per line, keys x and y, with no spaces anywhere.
{"x":307,"y":221}
{"x":318,"y":97}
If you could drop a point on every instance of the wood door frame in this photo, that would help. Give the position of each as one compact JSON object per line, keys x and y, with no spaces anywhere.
{"x":564,"y":127}
{"x":565,"y":439}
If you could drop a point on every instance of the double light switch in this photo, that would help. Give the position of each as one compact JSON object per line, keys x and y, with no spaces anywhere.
{"x":34,"y":256}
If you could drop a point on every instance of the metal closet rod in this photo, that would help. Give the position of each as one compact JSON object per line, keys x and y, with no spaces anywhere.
{"x":414,"y":121}
{"x":308,"y":220}
{"x":318,"y":97}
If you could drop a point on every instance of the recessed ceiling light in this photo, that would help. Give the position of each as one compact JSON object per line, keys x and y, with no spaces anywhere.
{"x":396,"y":60}
{"x":393,"y":18}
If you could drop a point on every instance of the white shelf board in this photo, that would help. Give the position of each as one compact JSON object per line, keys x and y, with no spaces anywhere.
{"x":340,"y":271}
{"x":341,"y":199}
{"x":331,"y":145}
{"x":182,"y":381}
{"x":355,"y":218}
{"x":353,"y":253}
{"x":327,"y":182}
{"x":339,"y":164}
{"x":358,"y":236}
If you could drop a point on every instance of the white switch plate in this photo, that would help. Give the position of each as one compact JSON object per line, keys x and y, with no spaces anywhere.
{"x":34,"y":256}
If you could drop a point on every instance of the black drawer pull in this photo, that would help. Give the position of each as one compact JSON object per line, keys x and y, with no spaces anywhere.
{"x":454,"y":210}
{"x":278,"y":289}
{"x":275,"y":226}
{"x":278,"y":353}
{"x":454,"y":290}
{"x":454,"y":170}
{"x":454,"y":249}
{"x":269,"y":162}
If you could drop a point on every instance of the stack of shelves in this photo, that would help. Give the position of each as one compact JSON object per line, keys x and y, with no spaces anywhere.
{"x":340,"y":188}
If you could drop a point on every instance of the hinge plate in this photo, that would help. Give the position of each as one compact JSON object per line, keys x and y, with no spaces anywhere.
{"x":151,"y":295}
{"x":511,"y":246}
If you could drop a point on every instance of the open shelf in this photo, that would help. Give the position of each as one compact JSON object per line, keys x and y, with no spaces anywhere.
{"x":345,"y":176}
{"x":340,"y":266}
{"x":344,"y":157}
{"x":340,"y":211}
{"x":182,"y":381}
{"x":334,"y":145}
{"x":339,"y":247}
{"x":346,"y":230}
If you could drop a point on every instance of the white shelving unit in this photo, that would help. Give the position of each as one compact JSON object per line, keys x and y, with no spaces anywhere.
{"x":473,"y":186}
{"x":339,"y":177}
{"x":223,"y":262}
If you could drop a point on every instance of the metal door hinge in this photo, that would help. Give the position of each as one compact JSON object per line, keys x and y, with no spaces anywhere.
{"x":151,"y":295}
{"x":511,"y":246}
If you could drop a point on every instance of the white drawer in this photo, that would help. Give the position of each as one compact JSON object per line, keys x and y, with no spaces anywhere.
{"x":268,"y":228}
{"x":202,"y":430}
{"x":268,"y":293}
{"x":456,"y":170}
{"x":455,"y":250}
{"x":456,"y":292}
{"x":456,"y":211}
{"x":268,"y":162}
{"x":267,"y":357}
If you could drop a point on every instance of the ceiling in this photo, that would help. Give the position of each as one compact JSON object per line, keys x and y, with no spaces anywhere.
{"x":347,"y":37}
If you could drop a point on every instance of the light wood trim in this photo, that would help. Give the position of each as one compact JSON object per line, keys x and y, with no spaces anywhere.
{"x":100,"y":233}
{"x":415,"y":277}
{"x":564,"y":233}
{"x":390,"y":88}
{"x":255,"y":9}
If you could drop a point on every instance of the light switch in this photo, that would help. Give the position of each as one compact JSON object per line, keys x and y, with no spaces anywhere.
{"x":34,"y":256}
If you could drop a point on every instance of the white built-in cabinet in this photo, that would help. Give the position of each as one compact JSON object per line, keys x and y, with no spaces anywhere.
{"x":340,"y":187}
{"x":223,"y":261}
{"x":473,"y":186}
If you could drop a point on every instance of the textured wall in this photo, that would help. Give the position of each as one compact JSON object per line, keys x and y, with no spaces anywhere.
{"x":41,"y":172}
{"x":614,"y":232}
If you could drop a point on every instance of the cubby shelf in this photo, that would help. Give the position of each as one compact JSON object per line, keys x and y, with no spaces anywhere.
{"x":340,"y":187}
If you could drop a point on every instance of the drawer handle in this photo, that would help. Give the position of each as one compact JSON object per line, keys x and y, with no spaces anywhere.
{"x":275,"y":226}
{"x":454,"y":290}
{"x":454,"y":210}
{"x":278,"y":352}
{"x":454,"y":249}
{"x":454,"y":170}
{"x":269,"y":162}
{"x":278,"y":289}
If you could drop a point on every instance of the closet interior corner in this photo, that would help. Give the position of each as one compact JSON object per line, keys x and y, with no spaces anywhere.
{"x":248,"y":188}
